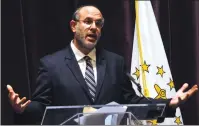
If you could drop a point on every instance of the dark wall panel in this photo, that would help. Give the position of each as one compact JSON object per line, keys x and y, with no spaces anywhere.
{"x":14,"y":69}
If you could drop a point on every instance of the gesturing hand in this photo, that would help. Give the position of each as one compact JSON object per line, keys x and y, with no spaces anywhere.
{"x":182,"y":96}
{"x":18,"y":104}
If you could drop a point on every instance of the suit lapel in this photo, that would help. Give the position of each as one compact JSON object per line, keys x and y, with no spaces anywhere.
{"x":101,"y":70}
{"x":72,"y":64}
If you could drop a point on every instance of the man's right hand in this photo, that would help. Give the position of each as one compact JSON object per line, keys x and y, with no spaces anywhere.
{"x":18,"y":104}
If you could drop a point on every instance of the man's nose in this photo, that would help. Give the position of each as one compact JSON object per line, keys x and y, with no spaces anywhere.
{"x":93,"y":25}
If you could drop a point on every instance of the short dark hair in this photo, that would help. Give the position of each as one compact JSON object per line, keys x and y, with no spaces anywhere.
{"x":75,"y":15}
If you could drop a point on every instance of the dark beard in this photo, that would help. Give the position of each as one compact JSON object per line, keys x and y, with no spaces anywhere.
{"x":80,"y":40}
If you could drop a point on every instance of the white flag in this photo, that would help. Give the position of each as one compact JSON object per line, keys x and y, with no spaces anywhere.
{"x":149,"y":64}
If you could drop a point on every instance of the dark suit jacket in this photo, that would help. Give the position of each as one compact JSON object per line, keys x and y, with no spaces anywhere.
{"x":61,"y":83}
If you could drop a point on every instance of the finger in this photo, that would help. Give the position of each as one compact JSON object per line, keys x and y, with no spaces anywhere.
{"x":184,"y":87}
{"x":183,"y":99}
{"x":195,"y":86}
{"x":186,"y":96}
{"x":193,"y":90}
{"x":16,"y":96}
{"x":10,"y":89}
{"x":11,"y":95}
{"x":26,"y":104}
{"x":22,"y":100}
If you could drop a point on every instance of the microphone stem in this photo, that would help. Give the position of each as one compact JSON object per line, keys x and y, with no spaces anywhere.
{"x":138,"y":85}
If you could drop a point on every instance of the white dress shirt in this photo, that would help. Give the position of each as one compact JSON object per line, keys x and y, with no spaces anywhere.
{"x":82,"y":63}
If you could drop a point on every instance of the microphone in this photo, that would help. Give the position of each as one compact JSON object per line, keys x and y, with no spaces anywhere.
{"x":159,"y":119}
{"x":137,"y":84}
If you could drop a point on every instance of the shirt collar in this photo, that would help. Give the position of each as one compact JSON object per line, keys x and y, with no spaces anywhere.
{"x":79,"y":55}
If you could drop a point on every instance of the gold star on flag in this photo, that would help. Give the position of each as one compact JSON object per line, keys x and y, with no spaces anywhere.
{"x":152,"y":122}
{"x":178,"y":121}
{"x":137,"y":73}
{"x":145,"y":67}
{"x":171,"y":84}
{"x":161,"y":92}
{"x":160,"y":71}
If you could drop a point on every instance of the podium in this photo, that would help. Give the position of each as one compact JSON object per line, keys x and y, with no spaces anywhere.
{"x":110,"y":114}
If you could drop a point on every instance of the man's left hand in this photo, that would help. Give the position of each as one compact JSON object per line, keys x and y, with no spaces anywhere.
{"x":182,"y":96}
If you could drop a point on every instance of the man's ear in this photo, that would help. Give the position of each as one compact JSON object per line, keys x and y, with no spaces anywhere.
{"x":72,"y":25}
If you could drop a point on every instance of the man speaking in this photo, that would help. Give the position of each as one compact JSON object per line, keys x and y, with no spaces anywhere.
{"x":84,"y":74}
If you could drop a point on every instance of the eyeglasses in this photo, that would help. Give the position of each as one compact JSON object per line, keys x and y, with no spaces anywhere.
{"x":99,"y":23}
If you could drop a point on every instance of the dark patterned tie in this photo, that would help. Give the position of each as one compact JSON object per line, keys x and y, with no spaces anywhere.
{"x":90,"y":78}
